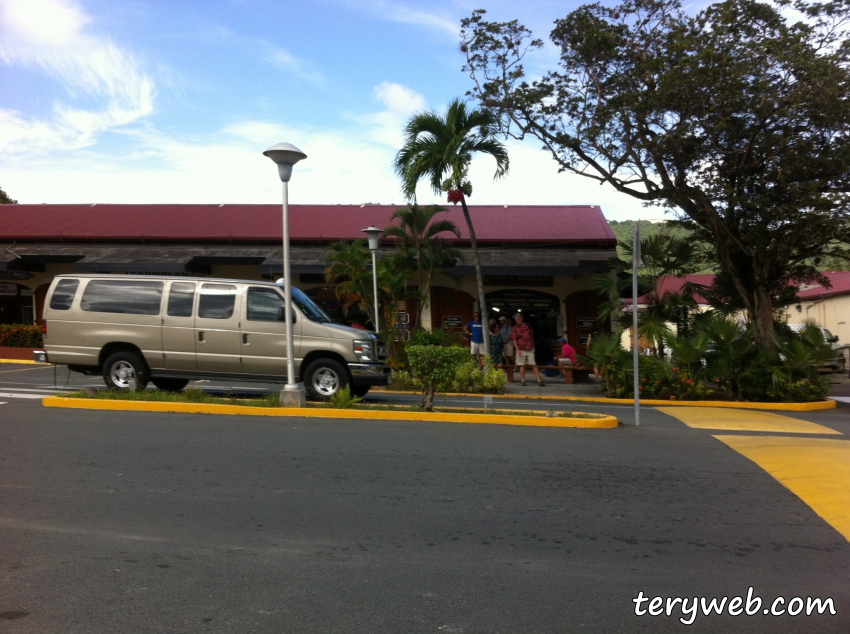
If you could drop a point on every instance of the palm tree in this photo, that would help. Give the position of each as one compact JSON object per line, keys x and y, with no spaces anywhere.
{"x":440,"y":150}
{"x":417,"y":232}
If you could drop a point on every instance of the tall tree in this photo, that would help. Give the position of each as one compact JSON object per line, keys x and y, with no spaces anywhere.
{"x":5,"y":200}
{"x":736,"y":117}
{"x":439,"y":150}
{"x":417,"y":231}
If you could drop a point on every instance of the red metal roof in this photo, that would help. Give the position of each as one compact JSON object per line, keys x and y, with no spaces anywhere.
{"x":308,"y":223}
{"x":840,"y":286}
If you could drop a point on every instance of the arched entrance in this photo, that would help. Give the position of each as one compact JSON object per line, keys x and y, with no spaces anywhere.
{"x":16,"y":304}
{"x":539,"y":309}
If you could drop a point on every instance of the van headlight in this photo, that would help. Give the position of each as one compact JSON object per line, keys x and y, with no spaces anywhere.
{"x":364,"y":350}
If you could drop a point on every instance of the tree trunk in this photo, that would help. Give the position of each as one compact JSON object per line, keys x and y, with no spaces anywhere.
{"x":479,"y":278}
{"x":427,"y":402}
{"x":762,"y":317}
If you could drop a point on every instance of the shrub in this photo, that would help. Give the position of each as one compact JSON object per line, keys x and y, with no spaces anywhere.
{"x":20,"y":336}
{"x":434,"y":366}
{"x":470,"y":378}
{"x":402,"y":380}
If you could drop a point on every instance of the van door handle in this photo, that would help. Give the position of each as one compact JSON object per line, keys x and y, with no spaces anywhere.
{"x":201,"y":336}
{"x":245,"y":340}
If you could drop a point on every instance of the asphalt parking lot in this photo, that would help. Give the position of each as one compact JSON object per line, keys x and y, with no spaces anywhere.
{"x":140,"y":522}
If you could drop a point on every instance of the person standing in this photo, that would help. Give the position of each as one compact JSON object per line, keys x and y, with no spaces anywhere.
{"x":523,"y":338}
{"x":475,"y":330}
{"x":505,"y":329}
{"x":496,"y":346}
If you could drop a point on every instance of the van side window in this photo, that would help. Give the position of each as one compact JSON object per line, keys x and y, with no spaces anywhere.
{"x":181,"y":299}
{"x":263,"y":304}
{"x":129,"y":297}
{"x":63,"y":294}
{"x":217,"y":301}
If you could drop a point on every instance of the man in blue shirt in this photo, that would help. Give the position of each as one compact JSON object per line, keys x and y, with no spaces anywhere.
{"x":475,"y":330}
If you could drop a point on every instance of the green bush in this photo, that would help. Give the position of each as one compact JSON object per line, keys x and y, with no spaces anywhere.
{"x":469,"y":378}
{"x":720,"y":362}
{"x":434,"y":366}
{"x":20,"y":336}
{"x":402,"y":380}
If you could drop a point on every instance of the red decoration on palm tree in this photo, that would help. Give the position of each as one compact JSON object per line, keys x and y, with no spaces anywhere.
{"x":455,"y":196}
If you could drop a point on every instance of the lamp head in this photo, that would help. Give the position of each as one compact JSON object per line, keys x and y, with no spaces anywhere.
{"x":285,"y":155}
{"x":374,"y":235}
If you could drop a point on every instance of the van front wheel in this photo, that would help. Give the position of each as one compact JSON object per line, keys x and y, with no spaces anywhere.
{"x":324,"y":378}
{"x":121,"y":369}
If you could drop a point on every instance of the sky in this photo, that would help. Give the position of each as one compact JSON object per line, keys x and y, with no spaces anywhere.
{"x":156,"y":101}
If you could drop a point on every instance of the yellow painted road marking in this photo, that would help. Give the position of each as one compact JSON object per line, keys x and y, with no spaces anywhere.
{"x":603,"y":422}
{"x":24,"y":370}
{"x":817,"y":470}
{"x":738,"y":420}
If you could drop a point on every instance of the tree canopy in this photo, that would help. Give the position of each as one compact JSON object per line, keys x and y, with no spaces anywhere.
{"x":5,"y":199}
{"x":736,"y":118}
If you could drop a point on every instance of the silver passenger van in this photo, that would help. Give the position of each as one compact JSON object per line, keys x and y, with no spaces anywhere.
{"x":170,"y":330}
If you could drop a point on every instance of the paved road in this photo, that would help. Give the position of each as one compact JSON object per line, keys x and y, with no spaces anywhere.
{"x":138,"y":522}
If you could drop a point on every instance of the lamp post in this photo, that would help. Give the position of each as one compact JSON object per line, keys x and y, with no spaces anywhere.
{"x":374,"y":235}
{"x":286,"y":155}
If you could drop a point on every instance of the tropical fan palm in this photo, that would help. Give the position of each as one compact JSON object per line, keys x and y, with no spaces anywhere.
{"x":440,"y":150}
{"x":417,"y":232}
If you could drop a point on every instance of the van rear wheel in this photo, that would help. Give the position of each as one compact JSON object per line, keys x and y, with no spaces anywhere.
{"x":121,"y":369}
{"x":324,"y":378}
{"x":169,"y":385}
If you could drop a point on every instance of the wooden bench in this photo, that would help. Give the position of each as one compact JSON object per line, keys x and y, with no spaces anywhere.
{"x":572,"y":373}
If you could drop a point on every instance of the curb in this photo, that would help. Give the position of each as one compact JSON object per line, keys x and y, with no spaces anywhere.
{"x":606,"y":422}
{"x":23,"y":361}
{"x":785,"y":407}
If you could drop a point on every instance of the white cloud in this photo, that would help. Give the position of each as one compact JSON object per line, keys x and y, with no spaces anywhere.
{"x":347,"y":164}
{"x":51,"y":35}
{"x":284,"y":60}
{"x":399,"y":99}
{"x":401,"y":13}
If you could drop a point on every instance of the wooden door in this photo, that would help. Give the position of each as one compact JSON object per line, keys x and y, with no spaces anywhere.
{"x":582,"y":318}
{"x":450,"y":308}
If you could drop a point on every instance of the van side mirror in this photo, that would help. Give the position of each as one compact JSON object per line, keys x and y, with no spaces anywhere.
{"x":281,"y":314}
{"x":834,"y":339}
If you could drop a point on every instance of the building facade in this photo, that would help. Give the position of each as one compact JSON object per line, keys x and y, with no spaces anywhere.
{"x":538,"y":260}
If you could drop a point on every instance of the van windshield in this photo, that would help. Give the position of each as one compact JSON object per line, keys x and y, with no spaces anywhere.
{"x":308,"y":307}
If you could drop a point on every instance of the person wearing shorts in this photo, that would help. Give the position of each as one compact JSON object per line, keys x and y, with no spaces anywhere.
{"x":568,"y":355}
{"x":475,"y":330}
{"x":523,"y":338}
{"x":506,"y":329}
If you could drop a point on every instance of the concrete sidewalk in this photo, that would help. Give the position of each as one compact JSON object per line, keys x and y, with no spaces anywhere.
{"x":554,"y":386}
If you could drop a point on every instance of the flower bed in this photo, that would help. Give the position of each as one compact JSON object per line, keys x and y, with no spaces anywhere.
{"x":20,"y":336}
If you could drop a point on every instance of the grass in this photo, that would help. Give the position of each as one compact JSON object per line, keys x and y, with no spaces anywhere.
{"x":273,"y":400}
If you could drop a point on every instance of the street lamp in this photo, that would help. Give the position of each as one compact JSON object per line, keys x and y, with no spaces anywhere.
{"x":374,"y":235}
{"x":286,"y":155}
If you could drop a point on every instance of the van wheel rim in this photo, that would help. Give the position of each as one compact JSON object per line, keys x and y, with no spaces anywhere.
{"x":325,"y":381}
{"x":122,"y":373}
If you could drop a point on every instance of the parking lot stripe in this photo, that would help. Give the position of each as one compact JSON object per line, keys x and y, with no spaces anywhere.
{"x":743,"y":420}
{"x":817,"y":470}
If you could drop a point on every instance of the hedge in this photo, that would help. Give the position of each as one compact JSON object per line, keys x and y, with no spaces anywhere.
{"x":20,"y":336}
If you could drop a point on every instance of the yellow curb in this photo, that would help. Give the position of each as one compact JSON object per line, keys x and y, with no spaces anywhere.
{"x":788,"y":407}
{"x":605,"y":422}
{"x":22,"y":361}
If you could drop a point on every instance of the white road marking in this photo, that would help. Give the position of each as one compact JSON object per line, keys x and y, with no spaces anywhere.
{"x":11,"y":395}
{"x":843,"y":399}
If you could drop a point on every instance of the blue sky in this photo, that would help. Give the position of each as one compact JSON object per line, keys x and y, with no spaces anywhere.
{"x":143,"y":101}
